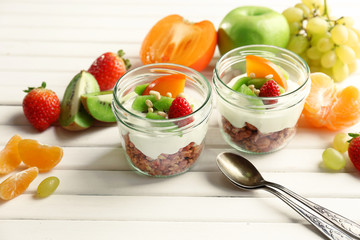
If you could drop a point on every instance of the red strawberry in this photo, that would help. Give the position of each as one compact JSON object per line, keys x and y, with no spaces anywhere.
{"x":41,"y":107}
{"x":180,"y":107}
{"x":108,"y":68}
{"x":354,"y":150}
{"x":270,"y":89}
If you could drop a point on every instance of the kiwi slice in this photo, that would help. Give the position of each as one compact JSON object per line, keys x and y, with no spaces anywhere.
{"x":73,"y":115}
{"x":257,"y":82}
{"x":153,"y":115}
{"x":98,"y":105}
{"x":139,"y":102}
{"x":247,"y":91}
{"x":163,"y":104}
{"x":240,"y":82}
{"x":139,"y":89}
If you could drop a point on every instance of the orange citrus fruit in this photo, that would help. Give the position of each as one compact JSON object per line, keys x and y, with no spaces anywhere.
{"x":9,"y":156}
{"x":326,"y":106}
{"x":34,"y":154}
{"x":16,"y":184}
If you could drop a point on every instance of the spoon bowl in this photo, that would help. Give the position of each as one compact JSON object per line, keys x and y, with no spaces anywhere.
{"x":240,"y":171}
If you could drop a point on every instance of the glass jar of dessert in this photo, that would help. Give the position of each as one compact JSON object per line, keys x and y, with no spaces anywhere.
{"x":162,"y":112}
{"x":260,"y":92}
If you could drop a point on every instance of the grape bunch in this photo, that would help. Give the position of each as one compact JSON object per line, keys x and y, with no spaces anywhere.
{"x":328,"y":45}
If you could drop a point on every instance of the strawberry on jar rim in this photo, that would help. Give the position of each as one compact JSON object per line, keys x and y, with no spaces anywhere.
{"x":41,"y":107}
{"x":108,"y":68}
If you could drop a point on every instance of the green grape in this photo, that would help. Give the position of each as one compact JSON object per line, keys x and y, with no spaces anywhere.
{"x":333,"y":159}
{"x":315,"y":38}
{"x":293,"y":14}
{"x":317,"y":25}
{"x":339,"y":34}
{"x":298,"y":44}
{"x":327,"y":71}
{"x":311,"y":4}
{"x":47,"y":186}
{"x":340,"y":71}
{"x":313,"y":53}
{"x":304,"y":8}
{"x":347,"y":21}
{"x":353,"y":38}
{"x":294,"y":27}
{"x":325,"y":44}
{"x":328,"y":59}
{"x":345,"y":54}
{"x":340,"y":142}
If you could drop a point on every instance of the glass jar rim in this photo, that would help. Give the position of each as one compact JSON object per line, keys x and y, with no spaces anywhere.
{"x":159,"y":65}
{"x":248,"y":47}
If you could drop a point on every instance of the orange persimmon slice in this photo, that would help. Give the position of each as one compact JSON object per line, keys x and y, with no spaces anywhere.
{"x":174,"y":83}
{"x":9,"y":156}
{"x":17,"y":183}
{"x":34,"y":154}
{"x":262,"y":67}
{"x":175,"y":40}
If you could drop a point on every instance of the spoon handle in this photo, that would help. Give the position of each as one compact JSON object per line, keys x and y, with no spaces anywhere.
{"x":335,"y":218}
{"x":324,"y":226}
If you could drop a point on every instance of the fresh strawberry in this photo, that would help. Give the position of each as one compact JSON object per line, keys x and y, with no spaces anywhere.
{"x":41,"y":107}
{"x":180,"y":107}
{"x":108,"y":68}
{"x":354,"y":150}
{"x":270,"y":89}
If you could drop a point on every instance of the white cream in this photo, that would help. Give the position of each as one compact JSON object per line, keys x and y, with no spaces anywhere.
{"x":154,"y":145}
{"x":264,"y":121}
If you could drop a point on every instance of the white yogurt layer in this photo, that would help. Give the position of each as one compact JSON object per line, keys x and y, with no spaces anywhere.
{"x":154,"y":145}
{"x":264,"y":121}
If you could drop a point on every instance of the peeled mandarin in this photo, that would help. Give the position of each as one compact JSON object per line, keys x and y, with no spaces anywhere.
{"x":17,"y":183}
{"x":9,"y":156}
{"x":326,"y":106}
{"x":34,"y":154}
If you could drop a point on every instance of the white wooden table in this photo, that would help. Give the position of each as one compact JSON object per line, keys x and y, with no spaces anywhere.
{"x":100,"y":196}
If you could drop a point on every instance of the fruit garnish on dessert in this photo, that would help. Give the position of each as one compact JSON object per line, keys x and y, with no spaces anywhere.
{"x":108,"y":68}
{"x":174,"y":84}
{"x":41,"y":107}
{"x":262,"y":67}
{"x":180,"y":107}
{"x":326,"y":106}
{"x":261,"y":79}
{"x":9,"y":156}
{"x":17,"y":183}
{"x":34,"y":154}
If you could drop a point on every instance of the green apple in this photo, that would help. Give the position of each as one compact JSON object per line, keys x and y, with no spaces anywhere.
{"x":252,"y":25}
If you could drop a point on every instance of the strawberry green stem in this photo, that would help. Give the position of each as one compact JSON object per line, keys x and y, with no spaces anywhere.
{"x":127,"y":63}
{"x":43,"y":85}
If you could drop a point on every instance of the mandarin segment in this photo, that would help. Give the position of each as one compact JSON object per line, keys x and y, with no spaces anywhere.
{"x":326,"y":106}
{"x":9,"y":156}
{"x":17,"y":183}
{"x":34,"y":154}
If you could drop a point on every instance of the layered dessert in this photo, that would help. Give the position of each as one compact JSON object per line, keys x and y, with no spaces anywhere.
{"x":171,"y":136}
{"x":257,"y":116}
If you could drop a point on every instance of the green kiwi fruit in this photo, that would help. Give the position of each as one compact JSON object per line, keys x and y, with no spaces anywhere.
{"x":98,"y":105}
{"x":163,"y":104}
{"x":73,"y":115}
{"x":139,"y":89}
{"x":240,"y":82}
{"x":139,"y":102}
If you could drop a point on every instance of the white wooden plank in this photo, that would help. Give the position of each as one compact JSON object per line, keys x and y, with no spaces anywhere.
{"x":170,"y":209}
{"x":44,"y":230}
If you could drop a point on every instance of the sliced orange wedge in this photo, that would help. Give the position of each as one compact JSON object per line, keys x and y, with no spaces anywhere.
{"x":16,"y":184}
{"x":262,"y":67}
{"x":34,"y":154}
{"x":9,"y":156}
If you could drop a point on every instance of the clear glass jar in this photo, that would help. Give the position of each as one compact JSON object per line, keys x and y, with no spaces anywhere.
{"x":161,"y":148}
{"x":244,"y":123}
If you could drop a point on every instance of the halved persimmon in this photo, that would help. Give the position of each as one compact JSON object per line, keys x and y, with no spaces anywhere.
{"x":262,"y":67}
{"x":175,"y":40}
{"x":174,"y":83}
